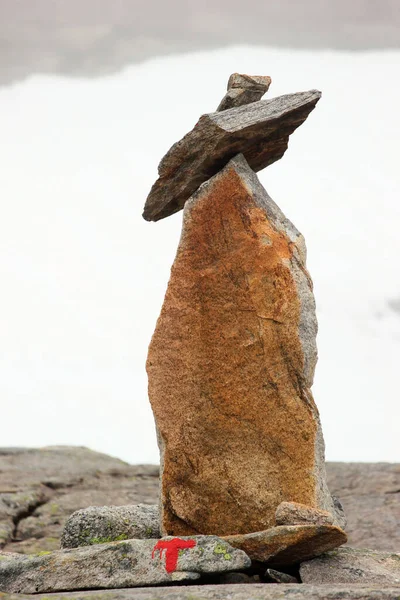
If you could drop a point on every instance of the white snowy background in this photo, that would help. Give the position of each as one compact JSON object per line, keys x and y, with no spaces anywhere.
{"x":83,"y":275}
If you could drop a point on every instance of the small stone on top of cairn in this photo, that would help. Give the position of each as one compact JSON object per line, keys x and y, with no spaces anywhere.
{"x":244,"y":89}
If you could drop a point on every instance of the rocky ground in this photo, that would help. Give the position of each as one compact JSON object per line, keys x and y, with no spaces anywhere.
{"x":233,"y":592}
{"x":40,"y":488}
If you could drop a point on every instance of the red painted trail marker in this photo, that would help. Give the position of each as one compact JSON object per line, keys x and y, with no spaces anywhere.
{"x":172,"y":548}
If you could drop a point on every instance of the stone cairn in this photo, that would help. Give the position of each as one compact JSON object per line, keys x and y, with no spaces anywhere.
{"x":243,"y":492}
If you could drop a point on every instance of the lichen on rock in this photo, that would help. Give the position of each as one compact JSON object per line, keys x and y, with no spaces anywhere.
{"x":104,"y":524}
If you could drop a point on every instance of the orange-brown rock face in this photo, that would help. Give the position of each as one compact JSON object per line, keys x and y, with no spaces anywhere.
{"x":231,"y":363}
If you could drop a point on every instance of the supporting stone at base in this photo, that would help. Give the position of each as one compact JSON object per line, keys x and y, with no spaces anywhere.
{"x":128,"y":563}
{"x":288,"y":544}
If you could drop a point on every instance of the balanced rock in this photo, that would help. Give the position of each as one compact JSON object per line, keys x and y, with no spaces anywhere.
{"x":260,"y":131}
{"x":121,"y":564}
{"x":231,"y":363}
{"x":283,"y":546}
{"x":353,"y":565}
{"x":102,"y":524}
{"x":293,"y":513}
{"x":244,"y":89}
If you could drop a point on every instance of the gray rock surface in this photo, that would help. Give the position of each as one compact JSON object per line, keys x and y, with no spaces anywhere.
{"x":370,"y":494}
{"x":235,"y":577}
{"x":294,"y":513}
{"x":353,"y":565}
{"x":239,"y":276}
{"x":15,"y":506}
{"x":101,"y":524}
{"x":6,"y":531}
{"x":340,"y":517}
{"x":260,"y":131}
{"x":244,"y":89}
{"x":232,"y":592}
{"x":71,"y":478}
{"x":120,"y":564}
{"x":9,"y":555}
{"x":75,"y":478}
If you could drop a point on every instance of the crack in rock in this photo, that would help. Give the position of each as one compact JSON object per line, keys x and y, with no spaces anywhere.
{"x":16,"y":506}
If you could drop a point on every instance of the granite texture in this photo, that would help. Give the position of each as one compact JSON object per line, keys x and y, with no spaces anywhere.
{"x":129,"y":563}
{"x":353,"y":565}
{"x":74,"y":478}
{"x":231,"y":364}
{"x":98,"y":524}
{"x":260,"y":131}
{"x":244,"y":89}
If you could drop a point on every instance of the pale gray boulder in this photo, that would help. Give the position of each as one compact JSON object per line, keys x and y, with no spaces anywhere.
{"x":102,"y":524}
{"x":122,"y":564}
{"x":16,"y":505}
{"x":353,"y":565}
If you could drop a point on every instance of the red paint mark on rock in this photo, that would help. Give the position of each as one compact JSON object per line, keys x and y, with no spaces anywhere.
{"x":172,"y":548}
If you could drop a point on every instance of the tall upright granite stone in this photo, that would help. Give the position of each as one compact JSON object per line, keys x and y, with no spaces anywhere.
{"x":232,"y":359}
{"x":231,"y":363}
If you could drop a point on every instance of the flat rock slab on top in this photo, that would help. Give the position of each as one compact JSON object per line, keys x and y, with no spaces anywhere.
{"x":353,"y":565}
{"x":127,"y":563}
{"x":287,"y":545}
{"x":231,"y":363}
{"x":260,"y":131}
